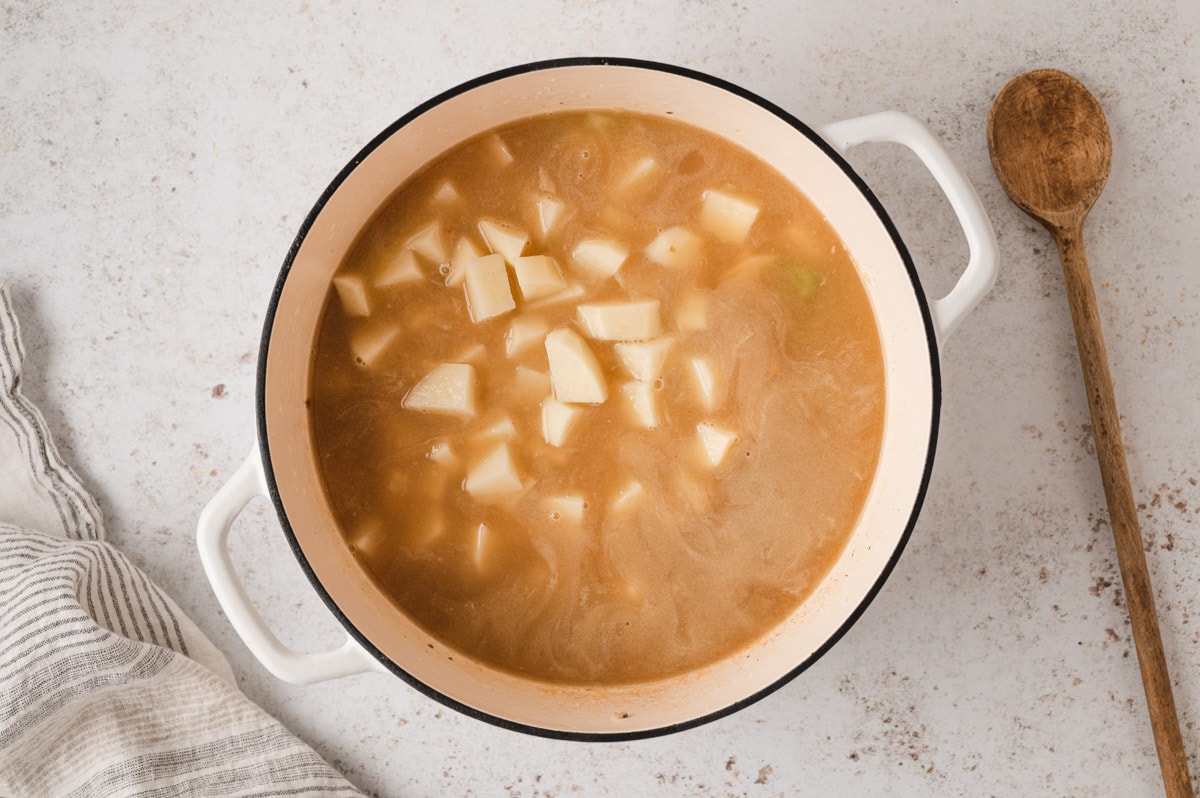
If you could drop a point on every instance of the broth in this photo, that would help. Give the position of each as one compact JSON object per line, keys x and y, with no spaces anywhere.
{"x":597,"y":398}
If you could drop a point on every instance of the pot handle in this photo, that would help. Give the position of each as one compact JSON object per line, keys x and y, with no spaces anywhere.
{"x":212,"y":538}
{"x":980,"y":275}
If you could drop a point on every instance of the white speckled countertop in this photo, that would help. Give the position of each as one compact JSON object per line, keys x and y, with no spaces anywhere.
{"x":157,"y":159}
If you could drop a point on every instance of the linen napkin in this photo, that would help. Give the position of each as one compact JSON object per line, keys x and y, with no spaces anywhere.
{"x":106,"y":687}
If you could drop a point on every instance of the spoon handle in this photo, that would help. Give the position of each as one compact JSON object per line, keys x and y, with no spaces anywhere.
{"x":1139,"y":597}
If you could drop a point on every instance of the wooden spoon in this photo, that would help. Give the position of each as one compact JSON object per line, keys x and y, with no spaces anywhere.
{"x":1051,"y":149}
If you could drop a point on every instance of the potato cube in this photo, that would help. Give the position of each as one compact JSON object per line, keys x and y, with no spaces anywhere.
{"x":751,"y":265}
{"x":566,"y":508}
{"x":692,"y":493}
{"x":715,"y":442}
{"x":538,"y":275}
{"x":479,"y":552}
{"x":398,"y":270}
{"x":558,"y":420}
{"x":691,"y":315}
{"x":424,"y":531}
{"x":632,"y":593}
{"x":599,"y":257}
{"x":472,"y":354}
{"x":500,"y":429}
{"x":628,"y":498}
{"x":449,"y":388}
{"x":494,"y":475}
{"x":465,"y":251}
{"x":638,"y":177}
{"x":616,"y":215}
{"x":441,"y":453}
{"x":504,"y":239}
{"x":369,"y":342}
{"x":446,"y":193}
{"x":676,"y":247}
{"x":524,"y":333}
{"x":499,"y":150}
{"x":621,"y":321}
{"x":353,"y":294}
{"x":369,"y":538}
{"x":575,"y":373}
{"x":644,"y":359}
{"x":642,"y":401}
{"x":429,"y":242}
{"x":727,"y":217}
{"x":549,"y":211}
{"x":487,"y":289}
{"x":531,"y":384}
{"x":710,"y":391}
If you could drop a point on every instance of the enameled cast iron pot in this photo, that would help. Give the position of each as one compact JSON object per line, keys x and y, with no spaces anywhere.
{"x":283,"y":463}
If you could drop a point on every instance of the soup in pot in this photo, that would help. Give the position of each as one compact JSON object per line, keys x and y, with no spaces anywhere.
{"x":597,"y":398}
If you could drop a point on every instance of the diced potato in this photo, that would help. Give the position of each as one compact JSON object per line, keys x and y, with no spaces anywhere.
{"x":449,"y":388}
{"x":572,"y":291}
{"x":710,"y":391}
{"x":616,"y":215}
{"x":644,"y":359}
{"x":369,"y":537}
{"x":420,"y":318}
{"x":479,"y":552}
{"x":400,"y":269}
{"x":558,"y":420}
{"x":691,"y":315}
{"x":446,"y":193}
{"x":505,"y":239}
{"x":500,"y":429}
{"x":369,"y":342}
{"x":473,"y":353}
{"x":429,"y":242}
{"x":621,"y":321}
{"x":751,"y":265}
{"x":353,"y":294}
{"x":628,"y":498}
{"x":549,"y":211}
{"x":727,"y":217}
{"x":642,"y":401}
{"x":575,"y":373}
{"x":676,"y":247}
{"x":638,"y":176}
{"x":494,"y":475}
{"x":530,"y":383}
{"x":465,"y":251}
{"x":487,"y":289}
{"x":524,"y":333}
{"x":499,"y":150}
{"x":566,"y":508}
{"x":428,"y":529}
{"x":599,"y":257}
{"x":632,"y":593}
{"x":441,"y":453}
{"x":715,"y":442}
{"x":692,"y":492}
{"x":538,"y":275}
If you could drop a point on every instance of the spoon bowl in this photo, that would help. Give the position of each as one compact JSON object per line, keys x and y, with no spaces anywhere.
{"x":1050,"y":146}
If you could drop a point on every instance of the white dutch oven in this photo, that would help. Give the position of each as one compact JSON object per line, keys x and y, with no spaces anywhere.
{"x":283,"y":464}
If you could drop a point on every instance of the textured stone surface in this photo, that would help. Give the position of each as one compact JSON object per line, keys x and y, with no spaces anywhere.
{"x":157,"y":159}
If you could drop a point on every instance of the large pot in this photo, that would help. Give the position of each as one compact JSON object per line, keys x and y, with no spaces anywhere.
{"x":283,"y":464}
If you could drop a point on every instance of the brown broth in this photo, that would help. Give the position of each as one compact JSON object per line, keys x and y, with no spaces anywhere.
{"x":713,"y":556}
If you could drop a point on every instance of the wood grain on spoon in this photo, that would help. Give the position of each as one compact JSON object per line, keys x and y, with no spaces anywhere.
{"x":1051,"y":150}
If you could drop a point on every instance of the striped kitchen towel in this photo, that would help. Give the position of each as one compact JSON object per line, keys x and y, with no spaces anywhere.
{"x":106,"y":687}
